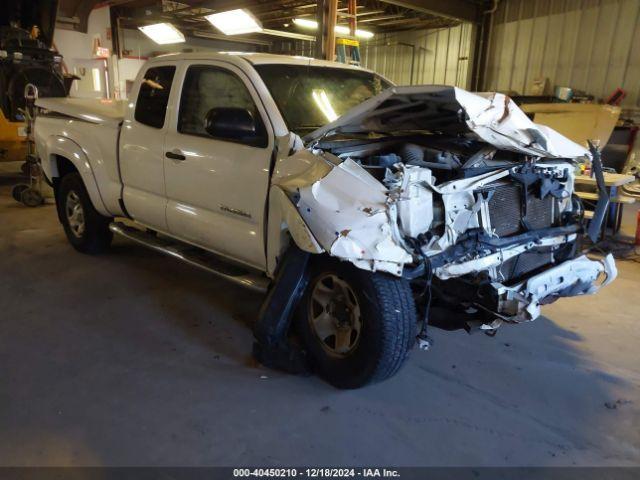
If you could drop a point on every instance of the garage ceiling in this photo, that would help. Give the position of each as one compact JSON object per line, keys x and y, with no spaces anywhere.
{"x":378,"y":16}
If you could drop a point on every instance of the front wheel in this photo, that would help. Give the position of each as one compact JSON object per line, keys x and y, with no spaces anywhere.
{"x":357,"y":326}
{"x":87,"y":230}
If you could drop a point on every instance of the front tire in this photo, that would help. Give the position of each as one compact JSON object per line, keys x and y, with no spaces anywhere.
{"x":356,"y":326}
{"x":86,"y":229}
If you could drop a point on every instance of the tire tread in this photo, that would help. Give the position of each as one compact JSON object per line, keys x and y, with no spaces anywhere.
{"x":395,"y":301}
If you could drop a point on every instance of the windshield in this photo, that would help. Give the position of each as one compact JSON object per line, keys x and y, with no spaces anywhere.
{"x":310,"y":97}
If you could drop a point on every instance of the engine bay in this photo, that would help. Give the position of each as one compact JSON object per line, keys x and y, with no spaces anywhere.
{"x":433,"y":176}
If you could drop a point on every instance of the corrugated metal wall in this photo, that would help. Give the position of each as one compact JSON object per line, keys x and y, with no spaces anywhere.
{"x":590,"y":45}
{"x":441,"y":56}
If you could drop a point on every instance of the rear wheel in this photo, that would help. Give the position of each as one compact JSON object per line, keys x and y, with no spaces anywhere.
{"x":357,"y":326}
{"x":86,"y":229}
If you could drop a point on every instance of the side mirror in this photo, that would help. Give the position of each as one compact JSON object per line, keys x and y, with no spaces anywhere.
{"x":230,"y":122}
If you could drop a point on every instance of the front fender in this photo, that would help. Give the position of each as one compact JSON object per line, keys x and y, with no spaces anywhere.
{"x":285,"y":218}
{"x":64,"y":147}
{"x":348,"y":212}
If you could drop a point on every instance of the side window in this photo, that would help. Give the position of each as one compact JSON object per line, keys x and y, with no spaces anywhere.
{"x":207,"y":88}
{"x":151,"y":105}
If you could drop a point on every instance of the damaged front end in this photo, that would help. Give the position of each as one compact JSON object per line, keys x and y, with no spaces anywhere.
{"x":457,"y":192}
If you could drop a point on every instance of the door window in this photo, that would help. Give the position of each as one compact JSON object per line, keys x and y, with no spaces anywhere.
{"x":151,"y":106}
{"x":206,"y":88}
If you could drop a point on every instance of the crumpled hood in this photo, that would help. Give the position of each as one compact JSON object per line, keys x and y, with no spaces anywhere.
{"x":493,"y":118}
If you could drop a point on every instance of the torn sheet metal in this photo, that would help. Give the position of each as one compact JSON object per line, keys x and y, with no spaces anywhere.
{"x":348,"y":212}
{"x":497,"y":120}
{"x":574,"y":277}
{"x":494,"y":260}
{"x":493,"y":118}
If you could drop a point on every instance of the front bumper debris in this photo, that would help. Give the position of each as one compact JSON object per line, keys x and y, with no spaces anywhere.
{"x":580,"y":276}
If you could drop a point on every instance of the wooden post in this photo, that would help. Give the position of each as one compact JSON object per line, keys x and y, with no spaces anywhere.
{"x":351,"y":10}
{"x":329,"y":30}
{"x":321,"y":15}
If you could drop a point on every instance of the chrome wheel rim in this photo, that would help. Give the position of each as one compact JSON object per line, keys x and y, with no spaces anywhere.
{"x":334,"y":315}
{"x":75,"y":214}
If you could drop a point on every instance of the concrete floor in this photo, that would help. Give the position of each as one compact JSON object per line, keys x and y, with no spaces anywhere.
{"x":132,"y":358}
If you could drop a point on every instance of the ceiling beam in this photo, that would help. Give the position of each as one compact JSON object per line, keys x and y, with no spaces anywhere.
{"x":462,"y":10}
{"x":382,"y":17}
{"x":294,"y":35}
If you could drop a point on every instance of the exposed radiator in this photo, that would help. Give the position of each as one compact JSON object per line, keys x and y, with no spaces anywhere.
{"x":505,"y":210}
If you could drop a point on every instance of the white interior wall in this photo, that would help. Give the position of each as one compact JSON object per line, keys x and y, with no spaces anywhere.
{"x":77,"y":50}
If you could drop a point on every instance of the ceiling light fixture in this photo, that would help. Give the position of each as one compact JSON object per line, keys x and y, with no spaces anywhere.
{"x":163,"y":33}
{"x":235,"y":22}
{"x":306,"y":23}
{"x":340,"y":29}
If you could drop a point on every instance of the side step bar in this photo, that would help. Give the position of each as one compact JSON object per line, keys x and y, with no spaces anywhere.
{"x":193,"y":256}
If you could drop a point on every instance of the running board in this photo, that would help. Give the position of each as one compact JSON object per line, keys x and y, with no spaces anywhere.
{"x":193,"y":256}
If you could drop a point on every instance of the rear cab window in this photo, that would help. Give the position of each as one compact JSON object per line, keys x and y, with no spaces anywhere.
{"x":153,"y":97}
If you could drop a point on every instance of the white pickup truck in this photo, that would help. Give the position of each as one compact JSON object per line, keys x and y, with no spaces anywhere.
{"x":366,"y":211}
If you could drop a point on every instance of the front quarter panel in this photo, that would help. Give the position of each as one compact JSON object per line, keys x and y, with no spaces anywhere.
{"x":345,"y":210}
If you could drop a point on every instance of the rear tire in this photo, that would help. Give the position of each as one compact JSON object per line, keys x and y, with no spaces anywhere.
{"x":86,"y":229}
{"x":356,"y":326}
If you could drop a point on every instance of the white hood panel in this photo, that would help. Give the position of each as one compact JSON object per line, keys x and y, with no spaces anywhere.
{"x":493,"y":118}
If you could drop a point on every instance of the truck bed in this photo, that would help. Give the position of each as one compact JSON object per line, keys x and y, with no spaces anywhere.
{"x":99,"y":111}
{"x":90,"y":141}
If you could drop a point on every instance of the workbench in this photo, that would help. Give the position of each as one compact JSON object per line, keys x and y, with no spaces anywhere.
{"x":617,"y":201}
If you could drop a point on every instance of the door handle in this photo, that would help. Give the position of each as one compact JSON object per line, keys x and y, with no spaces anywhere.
{"x":175,"y":155}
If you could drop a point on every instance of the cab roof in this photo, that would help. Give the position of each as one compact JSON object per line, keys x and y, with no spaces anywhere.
{"x":254,"y":58}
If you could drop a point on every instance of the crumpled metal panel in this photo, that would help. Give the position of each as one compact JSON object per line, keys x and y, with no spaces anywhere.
{"x":497,"y":120}
{"x":349,"y":213}
{"x":493,"y":118}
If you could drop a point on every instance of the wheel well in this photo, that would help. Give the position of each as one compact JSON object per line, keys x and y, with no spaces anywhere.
{"x":64,"y":166}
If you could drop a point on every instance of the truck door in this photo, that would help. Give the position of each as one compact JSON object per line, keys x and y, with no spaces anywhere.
{"x":217,"y":179}
{"x":141,"y":147}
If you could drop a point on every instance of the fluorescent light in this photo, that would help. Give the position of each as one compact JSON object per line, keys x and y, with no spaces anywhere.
{"x":235,"y":22}
{"x":366,"y":34}
{"x":163,"y":33}
{"x":305,"y":23}
{"x":340,"y":29}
